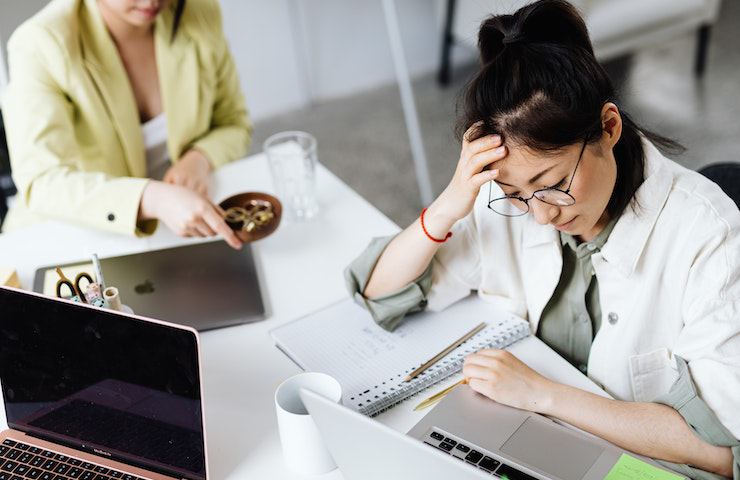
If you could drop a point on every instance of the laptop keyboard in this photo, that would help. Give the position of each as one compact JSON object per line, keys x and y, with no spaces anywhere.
{"x":473,"y":455}
{"x":20,"y":461}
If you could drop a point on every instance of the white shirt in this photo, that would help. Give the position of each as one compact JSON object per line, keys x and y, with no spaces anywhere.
{"x":155,"y":143}
{"x":669,"y":284}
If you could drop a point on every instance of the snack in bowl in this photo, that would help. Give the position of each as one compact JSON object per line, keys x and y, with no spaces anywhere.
{"x":252,"y":215}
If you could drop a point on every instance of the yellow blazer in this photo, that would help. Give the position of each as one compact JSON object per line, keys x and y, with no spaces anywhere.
{"x":73,"y":128}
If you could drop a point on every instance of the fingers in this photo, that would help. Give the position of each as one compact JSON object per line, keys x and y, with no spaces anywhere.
{"x":176,"y":176}
{"x":195,"y":184}
{"x":201,"y":188}
{"x":203,"y":229}
{"x":479,"y":372}
{"x":489,"y":356}
{"x":483,"y":387}
{"x":483,"y":159}
{"x":167,"y":174}
{"x":480,"y":179}
{"x":495,"y":353}
{"x":482,"y":144}
{"x":216,"y":221}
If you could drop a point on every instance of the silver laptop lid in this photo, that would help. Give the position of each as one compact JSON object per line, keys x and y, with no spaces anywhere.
{"x":365,"y":449}
{"x":204,"y":285}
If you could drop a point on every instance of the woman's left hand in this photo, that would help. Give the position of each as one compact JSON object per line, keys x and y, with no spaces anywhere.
{"x":502,"y":377}
{"x":191,"y":171}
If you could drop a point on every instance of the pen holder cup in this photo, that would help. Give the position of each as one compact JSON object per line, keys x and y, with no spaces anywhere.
{"x":304,"y":450}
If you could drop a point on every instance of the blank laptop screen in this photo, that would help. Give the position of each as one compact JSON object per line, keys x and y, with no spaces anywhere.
{"x":113,"y":385}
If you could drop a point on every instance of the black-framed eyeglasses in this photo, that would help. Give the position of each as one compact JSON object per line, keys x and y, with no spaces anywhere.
{"x":516,"y":206}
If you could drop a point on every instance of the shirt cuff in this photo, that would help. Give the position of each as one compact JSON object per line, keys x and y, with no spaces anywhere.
{"x":684,"y":398}
{"x":389,"y":310}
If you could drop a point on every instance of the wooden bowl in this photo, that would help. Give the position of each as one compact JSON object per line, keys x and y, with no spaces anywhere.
{"x":242,"y":200}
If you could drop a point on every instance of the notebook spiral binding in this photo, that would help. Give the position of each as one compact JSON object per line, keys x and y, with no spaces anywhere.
{"x":451,"y":364}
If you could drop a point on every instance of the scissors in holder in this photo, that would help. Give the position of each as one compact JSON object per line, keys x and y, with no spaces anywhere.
{"x":75,"y":288}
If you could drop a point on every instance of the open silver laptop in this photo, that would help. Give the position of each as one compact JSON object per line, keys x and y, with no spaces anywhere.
{"x":365,"y":449}
{"x":204,"y":285}
{"x":91,"y":394}
{"x":481,"y":437}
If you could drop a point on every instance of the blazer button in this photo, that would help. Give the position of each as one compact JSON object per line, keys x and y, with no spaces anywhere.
{"x":111,"y":217}
{"x":613,"y":317}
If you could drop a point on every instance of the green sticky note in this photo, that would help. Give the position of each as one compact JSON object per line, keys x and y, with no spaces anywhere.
{"x":631,"y":468}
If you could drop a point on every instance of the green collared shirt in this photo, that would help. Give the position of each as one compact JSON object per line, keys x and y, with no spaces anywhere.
{"x":572,"y":316}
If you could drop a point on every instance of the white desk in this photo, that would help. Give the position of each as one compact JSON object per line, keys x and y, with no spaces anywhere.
{"x":302,"y":266}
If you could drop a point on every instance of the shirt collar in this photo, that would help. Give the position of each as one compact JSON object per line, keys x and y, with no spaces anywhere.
{"x":583,"y":249}
{"x":632,"y":230}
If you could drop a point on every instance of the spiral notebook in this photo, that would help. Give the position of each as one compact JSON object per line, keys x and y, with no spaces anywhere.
{"x":371,"y":363}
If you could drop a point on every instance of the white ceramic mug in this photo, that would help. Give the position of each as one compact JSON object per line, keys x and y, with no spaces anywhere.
{"x":304,"y":450}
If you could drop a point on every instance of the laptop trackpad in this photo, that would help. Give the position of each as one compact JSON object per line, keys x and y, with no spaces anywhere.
{"x":552,"y":449}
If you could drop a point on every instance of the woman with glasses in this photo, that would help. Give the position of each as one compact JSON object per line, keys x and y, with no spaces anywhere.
{"x":563,"y":211}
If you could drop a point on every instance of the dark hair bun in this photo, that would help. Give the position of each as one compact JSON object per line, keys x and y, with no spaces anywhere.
{"x":553,"y":22}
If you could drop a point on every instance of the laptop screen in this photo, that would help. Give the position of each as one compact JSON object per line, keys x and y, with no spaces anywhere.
{"x":105,"y":383}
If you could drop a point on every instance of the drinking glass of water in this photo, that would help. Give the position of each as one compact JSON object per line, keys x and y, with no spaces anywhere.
{"x":292,"y":159}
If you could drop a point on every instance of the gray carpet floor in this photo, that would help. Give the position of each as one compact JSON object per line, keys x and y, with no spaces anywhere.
{"x":362,"y":138}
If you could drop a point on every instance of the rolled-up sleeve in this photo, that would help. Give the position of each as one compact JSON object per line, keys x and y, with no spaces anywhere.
{"x":451,"y":276}
{"x":684,"y":398}
{"x":707,"y":351}
{"x":709,"y":341}
{"x":388,"y":310}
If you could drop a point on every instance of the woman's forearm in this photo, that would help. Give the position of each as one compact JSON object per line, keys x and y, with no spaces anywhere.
{"x":408,"y":255}
{"x":649,"y":429}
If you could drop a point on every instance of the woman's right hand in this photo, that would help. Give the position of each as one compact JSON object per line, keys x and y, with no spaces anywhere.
{"x":457,"y":200}
{"x":185,"y":212}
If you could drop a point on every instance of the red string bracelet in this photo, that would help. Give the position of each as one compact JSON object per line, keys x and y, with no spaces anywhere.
{"x":443,"y":240}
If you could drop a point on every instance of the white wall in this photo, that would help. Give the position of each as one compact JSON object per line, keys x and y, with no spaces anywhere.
{"x":262,"y":44}
{"x":292,"y":52}
{"x":348,"y":42}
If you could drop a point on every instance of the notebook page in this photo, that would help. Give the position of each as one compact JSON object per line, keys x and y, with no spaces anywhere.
{"x":369,"y":362}
{"x":501,"y":333}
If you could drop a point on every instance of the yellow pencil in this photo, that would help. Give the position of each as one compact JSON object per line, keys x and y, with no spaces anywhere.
{"x":438,"y":396}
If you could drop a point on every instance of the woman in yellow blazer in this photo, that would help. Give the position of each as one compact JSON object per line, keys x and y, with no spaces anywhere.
{"x":87,"y":78}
